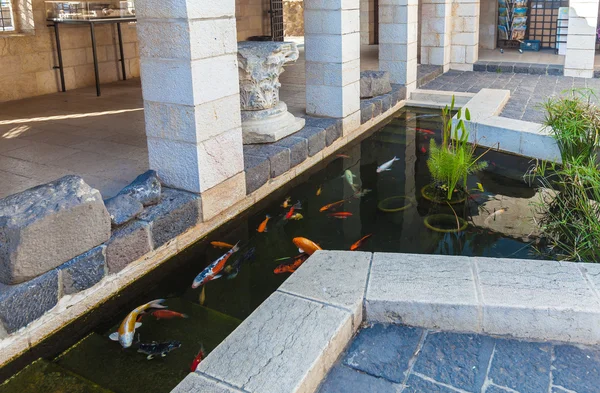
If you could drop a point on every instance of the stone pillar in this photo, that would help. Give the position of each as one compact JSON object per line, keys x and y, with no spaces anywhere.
{"x":398,"y":41}
{"x":465,"y":35}
{"x":190,"y":85}
{"x":581,"y":38}
{"x":332,"y":47}
{"x":436,"y":31}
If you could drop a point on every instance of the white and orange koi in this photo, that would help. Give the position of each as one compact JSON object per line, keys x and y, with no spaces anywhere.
{"x":211,"y":272}
{"x":127,"y":329}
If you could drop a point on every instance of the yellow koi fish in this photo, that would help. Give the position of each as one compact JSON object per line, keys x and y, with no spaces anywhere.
{"x":297,"y":216}
{"x":319,"y":190}
{"x":127,"y":329}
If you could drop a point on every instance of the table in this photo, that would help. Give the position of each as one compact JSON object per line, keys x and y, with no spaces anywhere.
{"x":56,"y":22}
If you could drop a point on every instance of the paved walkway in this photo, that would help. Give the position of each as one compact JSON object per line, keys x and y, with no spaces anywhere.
{"x":528,"y":92}
{"x":394,"y":359}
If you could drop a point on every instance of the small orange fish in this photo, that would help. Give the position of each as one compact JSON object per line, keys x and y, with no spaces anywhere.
{"x":424,"y":131}
{"x":319,"y":190}
{"x":342,"y":155}
{"x":263,"y":225}
{"x":305,"y":245}
{"x":341,"y":215}
{"x":423,"y":150}
{"x":359,"y":243}
{"x":199,"y":357}
{"x":286,"y":203}
{"x":327,"y":207}
{"x":291,"y":267}
{"x":221,"y":245}
{"x":167,"y":314}
{"x":289,"y":214}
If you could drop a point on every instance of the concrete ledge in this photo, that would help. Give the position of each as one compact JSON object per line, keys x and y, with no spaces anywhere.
{"x":438,"y":98}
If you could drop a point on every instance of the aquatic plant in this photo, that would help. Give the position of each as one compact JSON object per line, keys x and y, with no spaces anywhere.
{"x":451,"y":162}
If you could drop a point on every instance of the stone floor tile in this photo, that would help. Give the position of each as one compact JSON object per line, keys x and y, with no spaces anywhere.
{"x":522,"y":366}
{"x":112,"y":149}
{"x":12,"y":184}
{"x":41,"y":153}
{"x":39,"y":172}
{"x":459,"y":360}
{"x":384,"y":351}
{"x":345,"y":380}
{"x":576,"y":369}
{"x":12,"y":144}
{"x":416,"y":384}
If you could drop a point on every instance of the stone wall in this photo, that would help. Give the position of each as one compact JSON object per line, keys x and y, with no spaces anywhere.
{"x":367,"y":22}
{"x":252,"y":18}
{"x":293,"y":18}
{"x":27,"y":56}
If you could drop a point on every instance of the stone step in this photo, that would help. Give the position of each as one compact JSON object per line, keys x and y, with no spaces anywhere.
{"x":49,"y":377}
{"x":127,"y":371}
{"x":438,"y":98}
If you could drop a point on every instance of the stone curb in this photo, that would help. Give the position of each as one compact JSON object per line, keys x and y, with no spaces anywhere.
{"x":289,"y":343}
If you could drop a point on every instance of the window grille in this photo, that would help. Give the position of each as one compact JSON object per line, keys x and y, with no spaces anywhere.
{"x":543,"y":15}
{"x":7,"y":22}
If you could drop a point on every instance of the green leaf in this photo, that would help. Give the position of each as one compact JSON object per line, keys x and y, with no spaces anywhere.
{"x":467,"y":114}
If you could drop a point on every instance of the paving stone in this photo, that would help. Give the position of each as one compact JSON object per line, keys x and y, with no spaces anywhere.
{"x":176,"y":212}
{"x":145,"y":188}
{"x":279,"y":157}
{"x":298,"y":149}
{"x":521,"y":68}
{"x":384,"y":351}
{"x":416,"y":384}
{"x":420,"y":290}
{"x":492,"y":66}
{"x":366,"y":111}
{"x":65,"y":218}
{"x":521,"y":366}
{"x":459,"y":360}
{"x":122,"y":209}
{"x":496,"y":389}
{"x":258,"y":172}
{"x":344,"y":380}
{"x":299,"y":340}
{"x":532,"y":307}
{"x":506,"y":67}
{"x":538,"y":69}
{"x":195,"y":383}
{"x":333,"y":277}
{"x":24,"y":303}
{"x":83,"y":271}
{"x":480,"y":66}
{"x":316,"y":138}
{"x":576,"y":369}
{"x":127,"y":244}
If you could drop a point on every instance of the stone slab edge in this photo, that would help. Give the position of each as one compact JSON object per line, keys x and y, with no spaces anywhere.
{"x":73,"y":307}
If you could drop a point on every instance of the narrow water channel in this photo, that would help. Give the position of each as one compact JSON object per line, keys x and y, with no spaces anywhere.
{"x":496,"y":228}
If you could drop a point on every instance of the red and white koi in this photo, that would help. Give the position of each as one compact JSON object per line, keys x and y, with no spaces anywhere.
{"x":289,"y":214}
{"x":387,"y":166}
{"x":127,"y":328}
{"x":211,"y":272}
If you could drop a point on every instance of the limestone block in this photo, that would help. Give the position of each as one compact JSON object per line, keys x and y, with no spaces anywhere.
{"x":63,"y":218}
{"x":122,"y":209}
{"x":333,"y":74}
{"x":286,"y":345}
{"x":185,"y":9}
{"x":374,"y":83}
{"x":83,"y":271}
{"x":279,"y":157}
{"x":257,"y":170}
{"x":23,"y":303}
{"x":332,"y":21}
{"x":176,"y":212}
{"x":420,"y":290}
{"x":333,"y":277}
{"x":223,"y":195}
{"x":127,"y":244}
{"x":332,"y":48}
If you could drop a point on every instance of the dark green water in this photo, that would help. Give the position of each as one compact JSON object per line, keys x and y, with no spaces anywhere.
{"x":98,"y":361}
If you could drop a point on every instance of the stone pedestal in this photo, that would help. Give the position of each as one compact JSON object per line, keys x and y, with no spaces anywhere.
{"x":265,"y":119}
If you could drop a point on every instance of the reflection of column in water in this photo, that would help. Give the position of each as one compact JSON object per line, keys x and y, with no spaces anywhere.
{"x":410,"y":159}
{"x":352,"y":226}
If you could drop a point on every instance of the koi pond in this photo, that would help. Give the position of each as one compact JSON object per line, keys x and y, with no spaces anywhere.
{"x":495,"y":220}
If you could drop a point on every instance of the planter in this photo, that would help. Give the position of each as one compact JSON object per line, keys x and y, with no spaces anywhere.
{"x":445,"y":223}
{"x":395,"y":204}
{"x":428,"y":192}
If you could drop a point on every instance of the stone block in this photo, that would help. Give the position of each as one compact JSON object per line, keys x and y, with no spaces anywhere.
{"x":122,"y":209}
{"x":576,"y":369}
{"x":223,"y":195}
{"x":279,"y":157}
{"x":298,"y":149}
{"x":64,"y":218}
{"x":384,"y":351}
{"x":338,"y":278}
{"x":258,"y":170}
{"x":144,"y":189}
{"x":24,"y":303}
{"x":186,"y":9}
{"x":398,"y":93}
{"x":196,"y":382}
{"x":521,"y":68}
{"x":374,"y":83}
{"x":538,"y":69}
{"x":127,"y":244}
{"x":333,"y":132}
{"x":416,"y":384}
{"x":344,"y":379}
{"x":315,"y":137}
{"x":176,"y":212}
{"x":83,"y":271}
{"x":286,"y":345}
{"x":366,"y":112}
{"x":386,"y":102}
{"x":419,"y":290}
{"x":480,"y":66}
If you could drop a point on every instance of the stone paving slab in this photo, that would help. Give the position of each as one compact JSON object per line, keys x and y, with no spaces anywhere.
{"x":442,"y":362}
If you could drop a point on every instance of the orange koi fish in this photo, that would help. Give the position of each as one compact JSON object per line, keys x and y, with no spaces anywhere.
{"x":199,"y":357}
{"x":167,"y":314}
{"x":221,"y":245}
{"x":263,"y":225}
{"x":424,"y":131}
{"x":286,"y":203}
{"x":289,"y":214}
{"x":343,"y":215}
{"x":360,"y":242}
{"x":306,"y":246}
{"x":291,"y":267}
{"x":319,"y":190}
{"x":327,"y":207}
{"x":342,"y":155}
{"x":127,"y":328}
{"x":211,"y":272}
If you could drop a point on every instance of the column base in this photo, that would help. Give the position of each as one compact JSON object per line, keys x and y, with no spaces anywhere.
{"x":269,"y":125}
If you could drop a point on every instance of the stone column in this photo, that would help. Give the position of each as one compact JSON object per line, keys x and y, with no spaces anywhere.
{"x":190,"y":85}
{"x":436,"y":31}
{"x":398,"y":41}
{"x":465,"y":34}
{"x":581,"y":38}
{"x":332,"y":45}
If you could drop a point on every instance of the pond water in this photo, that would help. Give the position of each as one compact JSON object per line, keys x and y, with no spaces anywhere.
{"x":498,"y":226}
